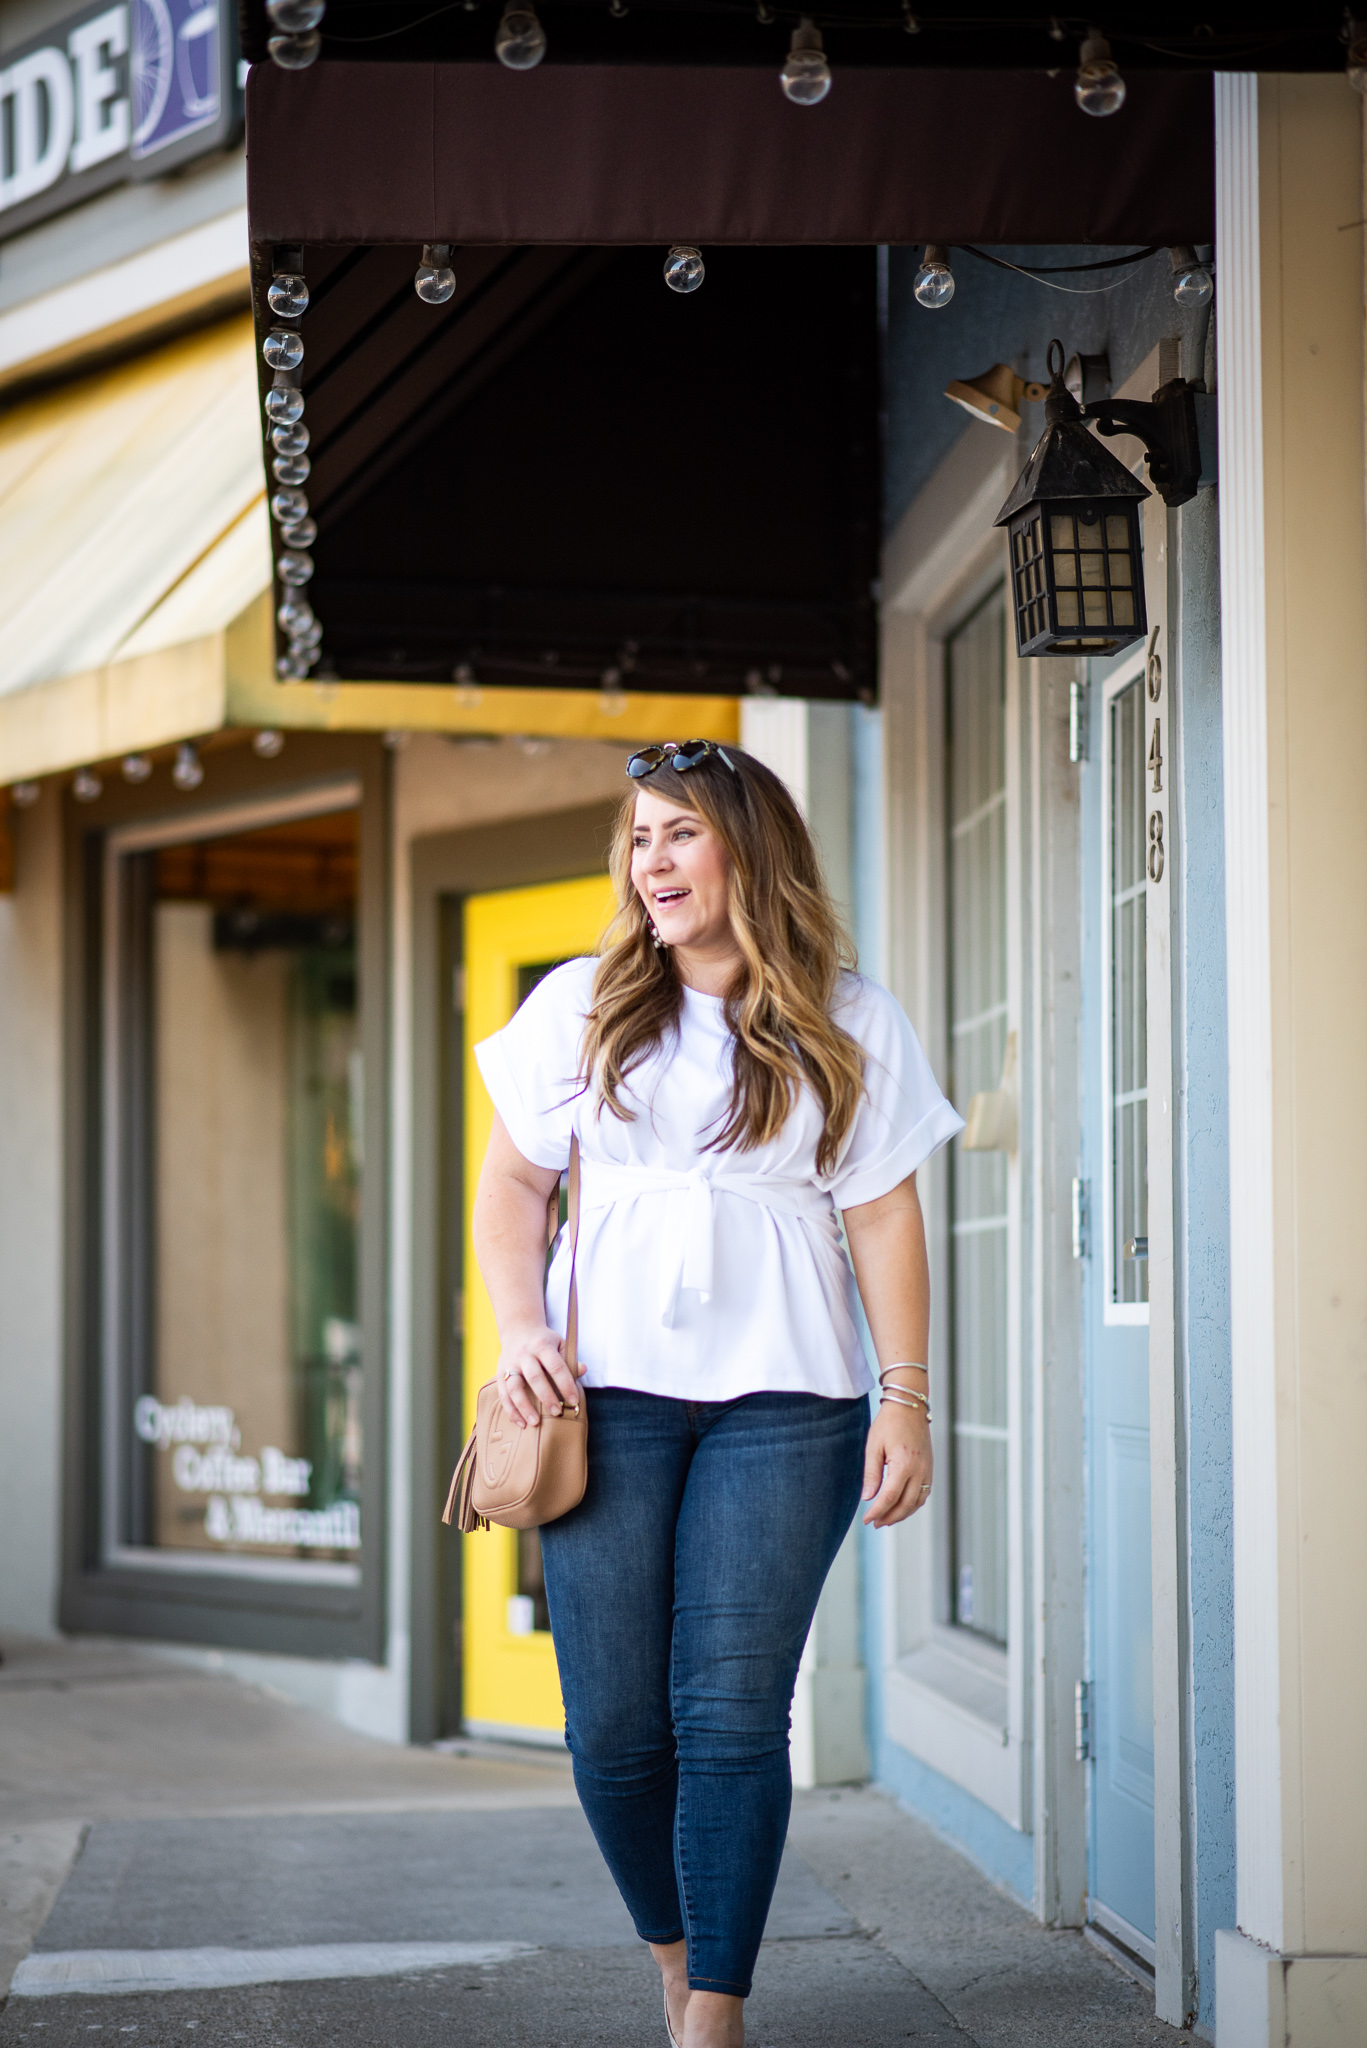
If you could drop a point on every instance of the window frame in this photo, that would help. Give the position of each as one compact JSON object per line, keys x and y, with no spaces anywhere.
{"x":1130,"y":672}
{"x":317,"y":1609}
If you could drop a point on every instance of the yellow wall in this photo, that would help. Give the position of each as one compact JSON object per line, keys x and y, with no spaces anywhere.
{"x":510,"y":1680}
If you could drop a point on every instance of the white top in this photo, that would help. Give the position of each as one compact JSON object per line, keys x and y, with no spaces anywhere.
{"x":706,"y":1275}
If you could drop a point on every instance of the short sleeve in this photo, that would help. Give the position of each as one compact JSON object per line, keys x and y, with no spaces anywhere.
{"x":903,"y":1116}
{"x":530,"y":1067}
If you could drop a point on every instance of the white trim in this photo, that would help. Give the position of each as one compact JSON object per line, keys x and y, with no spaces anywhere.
{"x":232,"y":1564}
{"x":183,"y":272}
{"x":942,"y":561}
{"x":1111,"y":1923}
{"x":1243,"y":671}
{"x":1114,"y":1313}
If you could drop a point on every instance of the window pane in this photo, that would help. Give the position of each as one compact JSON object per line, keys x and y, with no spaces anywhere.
{"x":976,"y":870}
{"x":1128,"y":997}
{"x":248,"y":1369}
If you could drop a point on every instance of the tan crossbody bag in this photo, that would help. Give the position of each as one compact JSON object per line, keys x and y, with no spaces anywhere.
{"x":521,"y":1478}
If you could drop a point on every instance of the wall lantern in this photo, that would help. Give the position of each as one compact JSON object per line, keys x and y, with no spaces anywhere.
{"x":1072,"y":524}
{"x":1073,"y":518}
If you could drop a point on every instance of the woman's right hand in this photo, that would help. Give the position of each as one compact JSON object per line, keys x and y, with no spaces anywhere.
{"x":533,"y":1375}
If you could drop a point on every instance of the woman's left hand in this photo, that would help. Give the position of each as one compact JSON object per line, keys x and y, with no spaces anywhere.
{"x":898,"y":1465}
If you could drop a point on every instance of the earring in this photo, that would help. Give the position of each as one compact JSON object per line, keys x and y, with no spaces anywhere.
{"x":655,"y":935}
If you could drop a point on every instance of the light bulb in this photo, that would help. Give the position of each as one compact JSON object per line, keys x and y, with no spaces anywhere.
{"x":291,"y":668}
{"x":188,"y":771}
{"x":291,"y":469}
{"x":1099,"y":89}
{"x":268,"y":743}
{"x":290,"y":440}
{"x":296,"y":17}
{"x":294,"y":53}
{"x":136,"y":767}
{"x":295,"y":568}
{"x":295,"y":613}
{"x":25,"y":794}
{"x":288,"y":296}
{"x":934,"y":285}
{"x":1192,"y":284}
{"x":284,"y":405}
{"x":309,"y":641}
{"x":684,"y":268}
{"x":521,"y":40}
{"x":86,"y":786}
{"x":283,"y":348}
{"x":302,"y":534}
{"x":289,"y":505}
{"x":434,"y":281}
{"x":806,"y":75}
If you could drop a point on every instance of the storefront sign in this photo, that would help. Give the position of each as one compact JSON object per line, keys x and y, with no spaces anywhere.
{"x":111,"y":93}
{"x":206,"y":1459}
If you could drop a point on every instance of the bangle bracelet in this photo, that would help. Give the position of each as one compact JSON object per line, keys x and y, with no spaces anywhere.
{"x":907,"y":1399}
{"x":904,"y":1365}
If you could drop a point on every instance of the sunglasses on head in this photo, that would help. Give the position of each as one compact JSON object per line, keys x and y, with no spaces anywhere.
{"x":672,"y":755}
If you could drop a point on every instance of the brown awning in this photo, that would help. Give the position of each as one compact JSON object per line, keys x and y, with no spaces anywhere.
{"x":621,"y":154}
{"x":568,"y":473}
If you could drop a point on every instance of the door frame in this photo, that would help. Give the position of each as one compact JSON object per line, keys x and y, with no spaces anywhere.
{"x":444,"y":868}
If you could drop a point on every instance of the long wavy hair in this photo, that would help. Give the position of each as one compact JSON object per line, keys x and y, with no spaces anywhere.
{"x":793,"y":949}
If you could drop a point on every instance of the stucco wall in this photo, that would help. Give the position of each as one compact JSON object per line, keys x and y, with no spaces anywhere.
{"x":30,"y":1225}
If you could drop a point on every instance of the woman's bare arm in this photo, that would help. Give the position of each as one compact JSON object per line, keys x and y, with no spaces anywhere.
{"x":887,"y":1241}
{"x":510,"y":1245}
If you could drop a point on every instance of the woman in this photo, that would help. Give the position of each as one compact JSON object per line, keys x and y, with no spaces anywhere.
{"x":731,"y":1088}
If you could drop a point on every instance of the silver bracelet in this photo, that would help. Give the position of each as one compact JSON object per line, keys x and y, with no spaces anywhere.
{"x":907,"y":1399}
{"x":904,"y":1365}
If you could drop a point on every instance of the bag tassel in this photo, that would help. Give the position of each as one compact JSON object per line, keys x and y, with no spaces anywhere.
{"x":458,"y":1500}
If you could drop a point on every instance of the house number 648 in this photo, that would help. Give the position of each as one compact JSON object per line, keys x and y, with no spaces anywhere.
{"x":1155,"y":846}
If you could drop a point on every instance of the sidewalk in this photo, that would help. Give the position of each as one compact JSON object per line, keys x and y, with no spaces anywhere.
{"x":180,"y":1852}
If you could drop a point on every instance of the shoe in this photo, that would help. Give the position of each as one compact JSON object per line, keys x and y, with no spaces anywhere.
{"x":674,"y":2039}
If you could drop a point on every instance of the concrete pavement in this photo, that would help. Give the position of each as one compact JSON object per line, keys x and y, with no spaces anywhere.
{"x":288,"y":1882}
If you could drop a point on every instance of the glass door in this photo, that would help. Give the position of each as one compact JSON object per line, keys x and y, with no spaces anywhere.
{"x":511,"y":938}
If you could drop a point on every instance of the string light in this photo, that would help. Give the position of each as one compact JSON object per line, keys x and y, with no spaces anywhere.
{"x":1192,"y":284}
{"x":188,"y":770}
{"x":284,"y":404}
{"x":521,"y":40}
{"x":934,"y":281}
{"x":291,"y":469}
{"x":268,"y":743}
{"x":86,"y":786}
{"x":298,"y":43}
{"x":1099,"y":89}
{"x":290,"y":440}
{"x":283,"y":348}
{"x":684,"y":268}
{"x":806,"y":74}
{"x":288,"y":506}
{"x":434,"y":280}
{"x":302,"y":534}
{"x":295,"y":567}
{"x":25,"y":794}
{"x":287,"y":296}
{"x":295,"y":614}
{"x":136,"y":767}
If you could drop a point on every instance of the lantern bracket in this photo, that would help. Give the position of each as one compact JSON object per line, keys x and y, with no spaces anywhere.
{"x":1170,"y":426}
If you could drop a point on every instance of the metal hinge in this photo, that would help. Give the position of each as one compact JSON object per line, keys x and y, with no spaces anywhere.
{"x":1081,"y":1220}
{"x":1077,"y":721}
{"x":1082,"y":1720}
{"x":458,"y":990}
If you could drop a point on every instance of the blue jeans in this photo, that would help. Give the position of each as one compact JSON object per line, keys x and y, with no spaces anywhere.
{"x":681,"y":1591}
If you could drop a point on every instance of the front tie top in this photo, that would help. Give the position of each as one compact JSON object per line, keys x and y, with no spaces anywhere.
{"x":704,"y":1275}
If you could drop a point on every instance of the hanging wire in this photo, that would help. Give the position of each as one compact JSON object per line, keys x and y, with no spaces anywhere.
{"x":1042,"y":275}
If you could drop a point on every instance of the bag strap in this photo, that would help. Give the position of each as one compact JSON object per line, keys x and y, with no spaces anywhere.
{"x":572,"y":1316}
{"x":552,"y":1228}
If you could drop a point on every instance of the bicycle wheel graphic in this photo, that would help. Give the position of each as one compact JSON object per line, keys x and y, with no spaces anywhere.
{"x":152,"y":68}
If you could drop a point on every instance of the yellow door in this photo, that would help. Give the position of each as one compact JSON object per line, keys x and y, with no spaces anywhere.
{"x":511,"y":938}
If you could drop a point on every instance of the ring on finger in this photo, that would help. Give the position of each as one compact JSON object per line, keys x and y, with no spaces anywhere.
{"x":925,"y":1489}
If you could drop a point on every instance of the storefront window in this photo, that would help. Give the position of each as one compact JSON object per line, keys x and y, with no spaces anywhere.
{"x":238,"y":1133}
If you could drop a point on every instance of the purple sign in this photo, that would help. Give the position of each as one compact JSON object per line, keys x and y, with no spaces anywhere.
{"x":175,"y":71}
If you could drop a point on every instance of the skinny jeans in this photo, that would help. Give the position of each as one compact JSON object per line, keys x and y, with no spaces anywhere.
{"x":681,"y":1590}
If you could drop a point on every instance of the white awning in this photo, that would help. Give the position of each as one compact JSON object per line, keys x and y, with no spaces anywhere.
{"x":132,"y":510}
